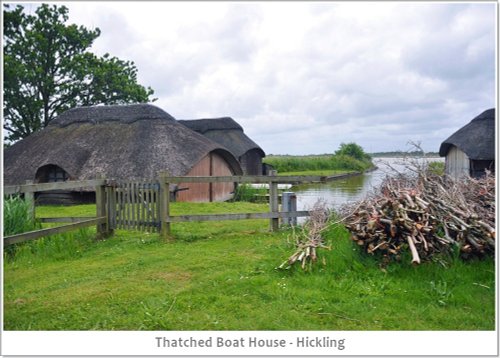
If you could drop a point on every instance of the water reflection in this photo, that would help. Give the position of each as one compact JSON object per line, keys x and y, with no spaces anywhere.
{"x":351,"y":189}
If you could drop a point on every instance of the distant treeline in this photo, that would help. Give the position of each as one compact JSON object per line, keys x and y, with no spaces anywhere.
{"x":399,"y":154}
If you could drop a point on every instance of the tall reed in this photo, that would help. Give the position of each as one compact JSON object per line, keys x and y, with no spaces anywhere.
{"x":16,"y":216}
{"x":287,"y":163}
{"x":245,"y":192}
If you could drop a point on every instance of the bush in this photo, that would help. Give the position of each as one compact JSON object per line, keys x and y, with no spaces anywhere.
{"x":352,"y":150}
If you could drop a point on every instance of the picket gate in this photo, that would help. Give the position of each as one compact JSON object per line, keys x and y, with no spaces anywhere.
{"x":134,"y":205}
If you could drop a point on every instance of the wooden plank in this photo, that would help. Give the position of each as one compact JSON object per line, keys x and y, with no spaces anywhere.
{"x":32,"y":235}
{"x":66,"y":219}
{"x":149,"y":218}
{"x":140,"y":206}
{"x":147,"y":215}
{"x":111,"y":195}
{"x":100,"y":199}
{"x":127,"y":204}
{"x":29,"y":197}
{"x":164,"y":202}
{"x":133,"y":205}
{"x":137,"y":206}
{"x":158,"y":208}
{"x":144,"y":206}
{"x":274,"y":223}
{"x":248,"y":179}
{"x":243,"y":216}
{"x":123,"y":207}
{"x":70,"y":184}
{"x":164,"y":199}
{"x":119,"y":206}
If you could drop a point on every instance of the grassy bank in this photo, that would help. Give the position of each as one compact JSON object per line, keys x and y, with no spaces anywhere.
{"x":223,"y":276}
{"x":326,"y":164}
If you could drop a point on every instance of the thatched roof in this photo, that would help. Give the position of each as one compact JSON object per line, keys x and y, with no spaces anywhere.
{"x":120,"y":142}
{"x":476,"y":139}
{"x":225,"y":131}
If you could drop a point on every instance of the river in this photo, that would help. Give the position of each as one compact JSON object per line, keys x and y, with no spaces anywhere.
{"x":338,"y":192}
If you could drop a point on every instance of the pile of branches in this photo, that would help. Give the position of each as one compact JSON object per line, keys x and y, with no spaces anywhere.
{"x":310,"y":238}
{"x":427,"y":215}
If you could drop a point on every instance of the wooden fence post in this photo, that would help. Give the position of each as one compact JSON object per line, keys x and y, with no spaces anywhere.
{"x":111,"y":209}
{"x":100,"y":203}
{"x":165,"y":206}
{"x":273,"y":202}
{"x":29,"y":197}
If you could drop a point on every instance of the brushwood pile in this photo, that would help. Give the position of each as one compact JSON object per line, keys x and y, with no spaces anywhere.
{"x":424,"y":216}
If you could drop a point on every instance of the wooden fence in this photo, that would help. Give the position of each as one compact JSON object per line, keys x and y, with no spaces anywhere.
{"x":29,"y":190}
{"x":144,"y":205}
{"x":274,"y":215}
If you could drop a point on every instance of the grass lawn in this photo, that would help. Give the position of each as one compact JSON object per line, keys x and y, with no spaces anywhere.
{"x":223,"y":276}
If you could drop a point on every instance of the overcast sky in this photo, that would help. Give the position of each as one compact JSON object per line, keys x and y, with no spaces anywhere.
{"x":301,"y":78}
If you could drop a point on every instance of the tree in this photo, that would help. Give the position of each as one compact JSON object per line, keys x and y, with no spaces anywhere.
{"x":48,"y":69}
{"x":352,"y":150}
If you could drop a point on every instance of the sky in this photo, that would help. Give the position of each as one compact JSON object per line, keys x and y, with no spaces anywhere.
{"x":302,"y":78}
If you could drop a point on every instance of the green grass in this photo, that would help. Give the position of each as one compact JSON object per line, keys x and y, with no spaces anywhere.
{"x":223,"y":276}
{"x":437,"y":168}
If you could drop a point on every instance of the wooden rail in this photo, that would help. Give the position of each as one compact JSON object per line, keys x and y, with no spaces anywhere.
{"x":243,"y":216}
{"x":72,"y":219}
{"x":31,"y":188}
{"x":32,"y":235}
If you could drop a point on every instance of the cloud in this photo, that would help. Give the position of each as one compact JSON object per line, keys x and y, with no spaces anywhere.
{"x":304,"y":77}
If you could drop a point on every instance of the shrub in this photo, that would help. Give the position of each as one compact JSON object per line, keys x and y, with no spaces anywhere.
{"x":352,"y":150}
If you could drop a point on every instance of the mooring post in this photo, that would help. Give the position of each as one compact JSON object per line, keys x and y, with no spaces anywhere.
{"x":29,"y":197}
{"x":273,"y":201}
{"x":289,"y":205}
{"x":100,"y":203}
{"x":165,"y":206}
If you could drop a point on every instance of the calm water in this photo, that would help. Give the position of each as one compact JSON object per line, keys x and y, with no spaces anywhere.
{"x":342,"y":191}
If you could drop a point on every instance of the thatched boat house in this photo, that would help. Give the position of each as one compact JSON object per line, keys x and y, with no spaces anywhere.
{"x":123,"y":142}
{"x":227,"y":132}
{"x":471,"y":149}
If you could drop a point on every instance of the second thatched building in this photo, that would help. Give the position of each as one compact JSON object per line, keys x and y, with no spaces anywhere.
{"x":228,"y":133}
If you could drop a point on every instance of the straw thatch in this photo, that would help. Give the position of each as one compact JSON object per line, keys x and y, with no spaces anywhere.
{"x":476,"y":139}
{"x":227,"y":132}
{"x":120,"y":142}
